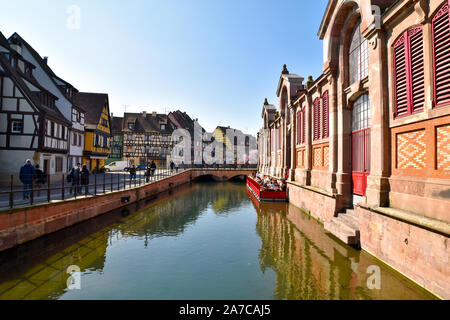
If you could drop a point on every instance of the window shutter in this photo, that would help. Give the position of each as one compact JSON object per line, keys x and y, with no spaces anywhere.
{"x":400,"y":77}
{"x":409,"y":72}
{"x":316,"y":119}
{"x":415,"y":36}
{"x":303,"y":125}
{"x":299,"y":131}
{"x":325,"y":133}
{"x":441,"y":55}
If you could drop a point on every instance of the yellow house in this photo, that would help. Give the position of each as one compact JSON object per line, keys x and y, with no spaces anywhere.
{"x":98,"y":128}
{"x":220,"y":134}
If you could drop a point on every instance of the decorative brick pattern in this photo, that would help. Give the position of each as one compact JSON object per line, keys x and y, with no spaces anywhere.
{"x":326,"y":155}
{"x":443,"y":147}
{"x":411,"y":149}
{"x":317,"y":157}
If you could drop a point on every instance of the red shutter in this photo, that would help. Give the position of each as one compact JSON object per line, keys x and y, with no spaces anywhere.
{"x":299,"y":139}
{"x":316,"y":119}
{"x":325,"y":132}
{"x":441,"y":55}
{"x":409,"y":84}
{"x":400,"y":78}
{"x":415,"y":36}
{"x":303,"y":125}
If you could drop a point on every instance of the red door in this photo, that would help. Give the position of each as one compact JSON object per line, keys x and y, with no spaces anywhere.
{"x":360,"y":160}
{"x":360,"y":145}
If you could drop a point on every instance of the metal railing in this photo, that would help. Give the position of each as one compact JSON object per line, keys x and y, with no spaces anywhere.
{"x":46,"y":188}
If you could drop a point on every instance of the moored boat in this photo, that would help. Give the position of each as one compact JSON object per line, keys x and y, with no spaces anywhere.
{"x":265,"y":195}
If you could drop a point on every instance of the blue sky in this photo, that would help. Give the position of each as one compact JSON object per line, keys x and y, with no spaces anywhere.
{"x":217,"y":60}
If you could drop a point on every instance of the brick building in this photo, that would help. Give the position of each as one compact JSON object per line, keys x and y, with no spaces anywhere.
{"x":366,"y":145}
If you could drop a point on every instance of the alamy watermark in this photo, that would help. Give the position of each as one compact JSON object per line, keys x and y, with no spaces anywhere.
{"x":74,"y":280}
{"x":73,"y":21}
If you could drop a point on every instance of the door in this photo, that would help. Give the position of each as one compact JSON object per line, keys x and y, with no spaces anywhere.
{"x":46,"y":167}
{"x":360,"y":144}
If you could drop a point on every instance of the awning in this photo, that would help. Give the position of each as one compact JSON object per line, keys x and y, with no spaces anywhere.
{"x":98,"y":158}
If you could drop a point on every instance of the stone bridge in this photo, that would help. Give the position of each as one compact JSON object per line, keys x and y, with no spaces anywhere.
{"x":220,"y":174}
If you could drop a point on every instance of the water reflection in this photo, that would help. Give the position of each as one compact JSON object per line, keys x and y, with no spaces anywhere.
{"x":198,"y":242}
{"x":310,"y":264}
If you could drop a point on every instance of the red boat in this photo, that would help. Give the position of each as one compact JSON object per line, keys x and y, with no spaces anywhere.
{"x":265,"y":195}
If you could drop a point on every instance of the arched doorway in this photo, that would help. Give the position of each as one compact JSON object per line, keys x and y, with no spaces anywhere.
{"x":360,"y":144}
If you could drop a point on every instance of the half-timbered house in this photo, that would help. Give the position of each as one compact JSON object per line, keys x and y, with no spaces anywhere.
{"x":97,"y":128}
{"x":147,"y":137}
{"x":31,"y":126}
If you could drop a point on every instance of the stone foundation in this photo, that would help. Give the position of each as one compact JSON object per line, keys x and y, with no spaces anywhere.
{"x":420,"y":254}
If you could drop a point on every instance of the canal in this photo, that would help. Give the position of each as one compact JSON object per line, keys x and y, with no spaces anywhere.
{"x":205,"y":241}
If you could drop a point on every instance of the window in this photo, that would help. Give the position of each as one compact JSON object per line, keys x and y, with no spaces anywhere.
{"x":441,"y":55}
{"x":16,"y":126}
{"x":163,"y":127}
{"x":80,"y":138}
{"x":74,"y":142}
{"x":301,"y":126}
{"x":361,"y":113}
{"x":409,"y":87}
{"x":316,"y":133}
{"x":130,"y":125}
{"x":59,"y":164}
{"x":325,"y":131}
{"x":104,"y":122}
{"x":358,"y":56}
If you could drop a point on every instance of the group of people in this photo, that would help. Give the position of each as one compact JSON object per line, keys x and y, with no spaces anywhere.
{"x":79,"y":177}
{"x":30,"y":174}
{"x":270,"y":184}
{"x":149,"y":172}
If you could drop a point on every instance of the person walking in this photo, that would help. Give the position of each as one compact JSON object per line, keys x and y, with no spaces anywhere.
{"x":41,"y":179}
{"x":153,"y":168}
{"x":75,"y":176}
{"x":85,"y":180}
{"x":26,"y":176}
{"x":133,"y":172}
{"x":172,"y":166}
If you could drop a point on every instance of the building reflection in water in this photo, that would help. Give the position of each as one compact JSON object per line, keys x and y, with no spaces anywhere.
{"x":307,"y":262}
{"x":310,"y":264}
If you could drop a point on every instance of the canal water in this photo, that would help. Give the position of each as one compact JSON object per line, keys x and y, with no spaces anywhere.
{"x":205,"y":241}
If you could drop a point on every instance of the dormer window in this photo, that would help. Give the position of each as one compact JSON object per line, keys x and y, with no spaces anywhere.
{"x":130,"y":125}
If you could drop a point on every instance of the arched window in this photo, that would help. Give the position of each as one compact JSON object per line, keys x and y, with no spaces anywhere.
{"x":409,"y":85}
{"x":358,"y":56}
{"x":441,"y":55}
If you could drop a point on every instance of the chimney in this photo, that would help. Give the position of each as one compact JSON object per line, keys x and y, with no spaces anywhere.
{"x":45,"y":60}
{"x":154,"y":113}
{"x":144,"y":113}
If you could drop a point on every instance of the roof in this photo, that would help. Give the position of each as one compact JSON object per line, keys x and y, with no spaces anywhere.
{"x":41,"y":62}
{"x":145,"y":122}
{"x":93,"y":104}
{"x":116,"y":124}
{"x":19,"y":79}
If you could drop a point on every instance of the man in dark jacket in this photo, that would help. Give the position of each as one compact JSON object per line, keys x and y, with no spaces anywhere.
{"x":75,"y":175}
{"x":85,"y":179}
{"x":27,"y":174}
{"x":153,"y":168}
{"x":41,"y":179}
